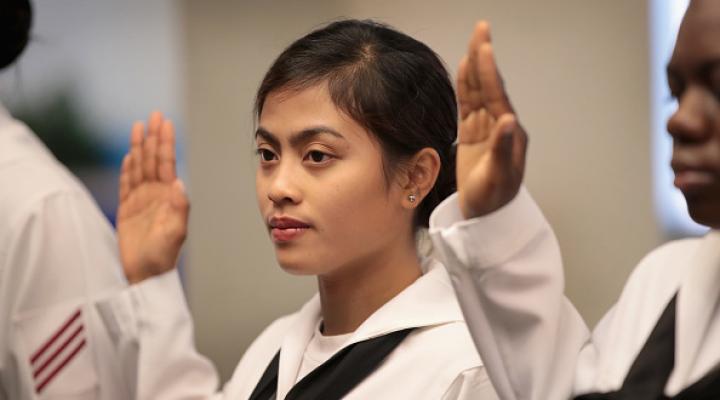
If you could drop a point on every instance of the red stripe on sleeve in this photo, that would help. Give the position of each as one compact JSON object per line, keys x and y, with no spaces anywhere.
{"x":57,"y":352}
{"x":57,"y":334}
{"x":62,"y":365}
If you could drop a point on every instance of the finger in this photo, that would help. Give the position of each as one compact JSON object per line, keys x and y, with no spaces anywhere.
{"x":475,"y":128}
{"x":520,"y":148}
{"x":136,"y":134}
{"x":166,"y":153}
{"x":179,"y":196}
{"x":136,"y":144}
{"x":469,"y":99}
{"x":124,"y":186}
{"x":131,"y":168}
{"x":181,"y":205}
{"x":495,"y":98}
{"x":155,"y":123}
{"x":149,"y":158}
{"x":480,"y":36}
{"x":502,"y":142}
{"x":482,"y":31}
{"x":462,"y":87}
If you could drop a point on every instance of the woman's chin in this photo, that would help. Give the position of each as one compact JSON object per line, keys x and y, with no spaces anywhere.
{"x":298,"y":265}
{"x":299,"y":270}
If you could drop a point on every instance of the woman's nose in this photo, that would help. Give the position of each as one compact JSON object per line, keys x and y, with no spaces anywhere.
{"x":284,"y":186}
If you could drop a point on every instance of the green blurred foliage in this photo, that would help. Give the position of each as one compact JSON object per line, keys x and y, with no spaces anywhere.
{"x":60,"y":124}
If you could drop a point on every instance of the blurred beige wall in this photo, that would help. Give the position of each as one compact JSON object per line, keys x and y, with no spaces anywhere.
{"x":577,"y":72}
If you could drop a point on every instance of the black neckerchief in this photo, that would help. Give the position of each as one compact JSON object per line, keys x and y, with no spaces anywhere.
{"x":654,"y":364}
{"x":335,"y":377}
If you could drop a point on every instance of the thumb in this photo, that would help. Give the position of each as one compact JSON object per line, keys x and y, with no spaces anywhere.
{"x":502,"y":138}
{"x":178,"y":197}
{"x":180,"y":206}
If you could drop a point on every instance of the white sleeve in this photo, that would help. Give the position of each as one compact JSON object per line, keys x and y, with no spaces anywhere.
{"x":507,"y":271}
{"x":152,"y":319}
{"x":472,"y":384}
{"x":57,"y":256}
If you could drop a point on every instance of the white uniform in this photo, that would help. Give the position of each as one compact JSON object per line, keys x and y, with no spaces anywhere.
{"x":435,"y":361}
{"x":507,"y":272}
{"x":58,"y":255}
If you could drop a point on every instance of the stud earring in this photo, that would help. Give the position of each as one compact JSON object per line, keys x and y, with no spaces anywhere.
{"x":412,"y":198}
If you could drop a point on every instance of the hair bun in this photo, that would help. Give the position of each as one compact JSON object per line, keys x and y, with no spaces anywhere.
{"x":15,"y":24}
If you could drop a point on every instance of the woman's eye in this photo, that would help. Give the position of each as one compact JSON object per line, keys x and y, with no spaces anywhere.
{"x":317,"y":156}
{"x":265,"y":154}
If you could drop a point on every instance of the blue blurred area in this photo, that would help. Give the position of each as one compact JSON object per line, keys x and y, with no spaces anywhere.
{"x":90,"y":71}
{"x":93,"y":154}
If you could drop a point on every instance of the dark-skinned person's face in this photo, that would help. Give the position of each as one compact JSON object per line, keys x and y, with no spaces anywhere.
{"x":694,"y":79}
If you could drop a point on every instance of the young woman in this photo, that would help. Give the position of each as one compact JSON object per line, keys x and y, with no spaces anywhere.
{"x":356,"y":125}
{"x":661,"y":339}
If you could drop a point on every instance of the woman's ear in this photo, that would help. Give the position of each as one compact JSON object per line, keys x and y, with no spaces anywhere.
{"x":422,"y":172}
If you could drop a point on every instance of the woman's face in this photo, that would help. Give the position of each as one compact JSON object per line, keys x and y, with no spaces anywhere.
{"x":694,"y":79}
{"x":320,"y":185}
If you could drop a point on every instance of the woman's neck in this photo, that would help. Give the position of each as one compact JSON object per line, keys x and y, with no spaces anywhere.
{"x":351,"y":295}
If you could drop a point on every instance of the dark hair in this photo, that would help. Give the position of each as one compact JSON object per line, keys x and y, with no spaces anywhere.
{"x":391,"y":84}
{"x":15,"y":23}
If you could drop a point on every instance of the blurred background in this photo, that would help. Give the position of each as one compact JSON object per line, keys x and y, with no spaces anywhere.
{"x":586,"y":77}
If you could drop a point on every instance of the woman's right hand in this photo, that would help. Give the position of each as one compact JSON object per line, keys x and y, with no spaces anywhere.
{"x":153,"y":209}
{"x":492,"y":144}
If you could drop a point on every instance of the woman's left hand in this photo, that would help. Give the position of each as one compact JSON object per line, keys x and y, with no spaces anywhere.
{"x":153,"y":208}
{"x":491,"y":142}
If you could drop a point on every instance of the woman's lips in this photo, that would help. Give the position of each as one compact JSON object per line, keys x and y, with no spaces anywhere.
{"x":285,"y":229}
{"x":284,"y":235}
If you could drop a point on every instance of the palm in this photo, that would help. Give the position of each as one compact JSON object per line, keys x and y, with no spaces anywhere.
{"x":152,"y":215}
{"x":491,"y":143}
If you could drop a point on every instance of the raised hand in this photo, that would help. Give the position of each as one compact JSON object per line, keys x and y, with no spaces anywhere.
{"x":153,"y":210}
{"x":491,"y":142}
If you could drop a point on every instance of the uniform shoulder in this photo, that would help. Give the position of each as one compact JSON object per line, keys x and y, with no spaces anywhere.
{"x":448,"y":346}
{"x":443,"y":343}
{"x":665,"y":261}
{"x":442,"y":357}
{"x":658,"y":274}
{"x":36,"y":180}
{"x":261,"y":351}
{"x":42,"y":201}
{"x":673,"y":247}
{"x":34,"y":176}
{"x":275,"y":332}
{"x":650,"y":286}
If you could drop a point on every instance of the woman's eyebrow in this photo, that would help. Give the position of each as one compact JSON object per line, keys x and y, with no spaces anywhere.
{"x":298,"y":138}
{"x":308,"y":134}
{"x":267,"y":136}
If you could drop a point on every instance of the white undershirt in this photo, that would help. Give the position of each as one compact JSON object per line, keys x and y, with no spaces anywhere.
{"x":320,"y":349}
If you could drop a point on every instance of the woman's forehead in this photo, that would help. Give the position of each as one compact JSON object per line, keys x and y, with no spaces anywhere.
{"x":289,"y":111}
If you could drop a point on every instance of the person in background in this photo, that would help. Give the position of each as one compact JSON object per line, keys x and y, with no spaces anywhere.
{"x":58,"y":257}
{"x":661,"y":339}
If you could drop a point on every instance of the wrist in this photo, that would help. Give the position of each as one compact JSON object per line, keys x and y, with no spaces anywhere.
{"x":136,"y":277}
